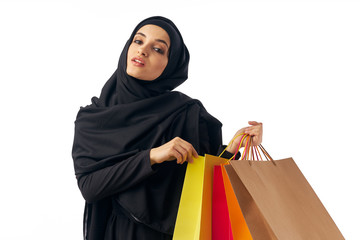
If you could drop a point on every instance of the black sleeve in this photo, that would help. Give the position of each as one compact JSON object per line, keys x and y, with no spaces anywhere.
{"x":227,"y":154}
{"x":211,"y":141}
{"x":116,"y":178}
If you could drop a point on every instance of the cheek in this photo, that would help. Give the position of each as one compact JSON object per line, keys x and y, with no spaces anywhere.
{"x":130,"y":54}
{"x":130,"y":50}
{"x":162,"y":64}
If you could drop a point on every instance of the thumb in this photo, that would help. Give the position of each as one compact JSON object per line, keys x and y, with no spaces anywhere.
{"x":253,"y":123}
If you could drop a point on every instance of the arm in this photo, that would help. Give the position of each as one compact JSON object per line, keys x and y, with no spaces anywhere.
{"x":116,"y":178}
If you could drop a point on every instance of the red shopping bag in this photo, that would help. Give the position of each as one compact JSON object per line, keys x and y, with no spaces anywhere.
{"x":221,"y":227}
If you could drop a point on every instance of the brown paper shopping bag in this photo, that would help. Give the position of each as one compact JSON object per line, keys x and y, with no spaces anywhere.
{"x":277,"y":201}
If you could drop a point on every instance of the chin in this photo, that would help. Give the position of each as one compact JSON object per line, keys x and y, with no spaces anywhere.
{"x":132,"y":74}
{"x":139,"y":76}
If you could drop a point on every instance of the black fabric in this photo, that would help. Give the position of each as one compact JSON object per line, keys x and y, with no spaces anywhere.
{"x":120,"y":227}
{"x":113,"y":137}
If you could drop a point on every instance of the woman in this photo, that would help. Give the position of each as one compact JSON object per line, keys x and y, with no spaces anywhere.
{"x":131,"y":142}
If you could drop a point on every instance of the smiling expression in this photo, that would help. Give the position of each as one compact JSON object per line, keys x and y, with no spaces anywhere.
{"x":147,"y":55}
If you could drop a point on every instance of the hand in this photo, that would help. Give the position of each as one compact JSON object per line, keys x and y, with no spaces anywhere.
{"x":255,"y":131}
{"x":177,"y":148}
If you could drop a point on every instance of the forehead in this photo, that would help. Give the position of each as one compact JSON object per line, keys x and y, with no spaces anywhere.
{"x":155,"y":32}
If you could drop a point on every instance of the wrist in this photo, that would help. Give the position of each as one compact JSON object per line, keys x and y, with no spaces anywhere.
{"x":231,"y":148}
{"x":234,"y":147}
{"x":152,"y":157}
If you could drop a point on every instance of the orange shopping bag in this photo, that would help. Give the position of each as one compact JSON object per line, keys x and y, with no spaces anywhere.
{"x":239,"y":227}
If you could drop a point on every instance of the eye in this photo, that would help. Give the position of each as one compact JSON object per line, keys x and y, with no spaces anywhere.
{"x":159,"y":50}
{"x":138,"y":41}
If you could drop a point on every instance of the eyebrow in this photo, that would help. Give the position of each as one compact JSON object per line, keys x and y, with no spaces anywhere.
{"x":158,"y":40}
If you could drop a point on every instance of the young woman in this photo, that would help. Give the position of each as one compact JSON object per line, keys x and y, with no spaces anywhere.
{"x":131,"y":142}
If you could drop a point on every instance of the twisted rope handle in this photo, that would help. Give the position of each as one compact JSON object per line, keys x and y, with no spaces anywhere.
{"x":238,"y":147}
{"x":250,"y":153}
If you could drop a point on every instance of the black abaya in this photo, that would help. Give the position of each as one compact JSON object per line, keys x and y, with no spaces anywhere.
{"x":126,"y":197}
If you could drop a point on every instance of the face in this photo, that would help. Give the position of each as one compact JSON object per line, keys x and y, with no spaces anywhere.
{"x":147,"y":55}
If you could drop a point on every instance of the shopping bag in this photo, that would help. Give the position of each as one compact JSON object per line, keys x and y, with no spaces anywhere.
{"x":187,"y":224}
{"x":240,"y":230}
{"x":194,"y":217}
{"x":221,"y":226}
{"x":237,"y":228}
{"x":277,"y":201}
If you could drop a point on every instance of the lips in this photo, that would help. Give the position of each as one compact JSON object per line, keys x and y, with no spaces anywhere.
{"x":137,"y":61}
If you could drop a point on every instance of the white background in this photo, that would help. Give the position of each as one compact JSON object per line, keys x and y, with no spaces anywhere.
{"x":292,"y":65}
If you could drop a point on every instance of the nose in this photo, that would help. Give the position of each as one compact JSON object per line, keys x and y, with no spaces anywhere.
{"x":142,"y":50}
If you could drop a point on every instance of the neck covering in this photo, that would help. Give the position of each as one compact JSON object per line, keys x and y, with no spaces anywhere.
{"x":133,"y":116}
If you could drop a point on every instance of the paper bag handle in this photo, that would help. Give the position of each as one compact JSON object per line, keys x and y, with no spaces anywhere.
{"x":251,"y":153}
{"x":238,"y":147}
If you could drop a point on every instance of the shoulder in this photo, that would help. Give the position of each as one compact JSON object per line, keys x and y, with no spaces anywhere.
{"x":180,"y":96}
{"x":204,"y":115}
{"x":186,"y":99}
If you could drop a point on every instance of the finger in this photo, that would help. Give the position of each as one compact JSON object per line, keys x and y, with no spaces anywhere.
{"x":254,"y":126}
{"x":176,"y":150}
{"x":188,"y":148}
{"x":183,"y":152}
{"x":191,"y":152}
{"x":252,"y":131}
{"x":249,"y":131}
{"x":194,"y":153}
{"x":178,"y":156}
{"x":254,"y":123}
{"x":190,"y":157}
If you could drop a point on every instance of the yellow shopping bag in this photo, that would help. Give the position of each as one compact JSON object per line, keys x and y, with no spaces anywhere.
{"x":193,"y":221}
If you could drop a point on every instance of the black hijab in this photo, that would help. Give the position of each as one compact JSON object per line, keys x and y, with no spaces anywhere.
{"x":122,"y":88}
{"x":132,"y":116}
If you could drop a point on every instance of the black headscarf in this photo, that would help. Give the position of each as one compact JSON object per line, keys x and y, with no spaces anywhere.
{"x":122,"y":88}
{"x":132,"y":116}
